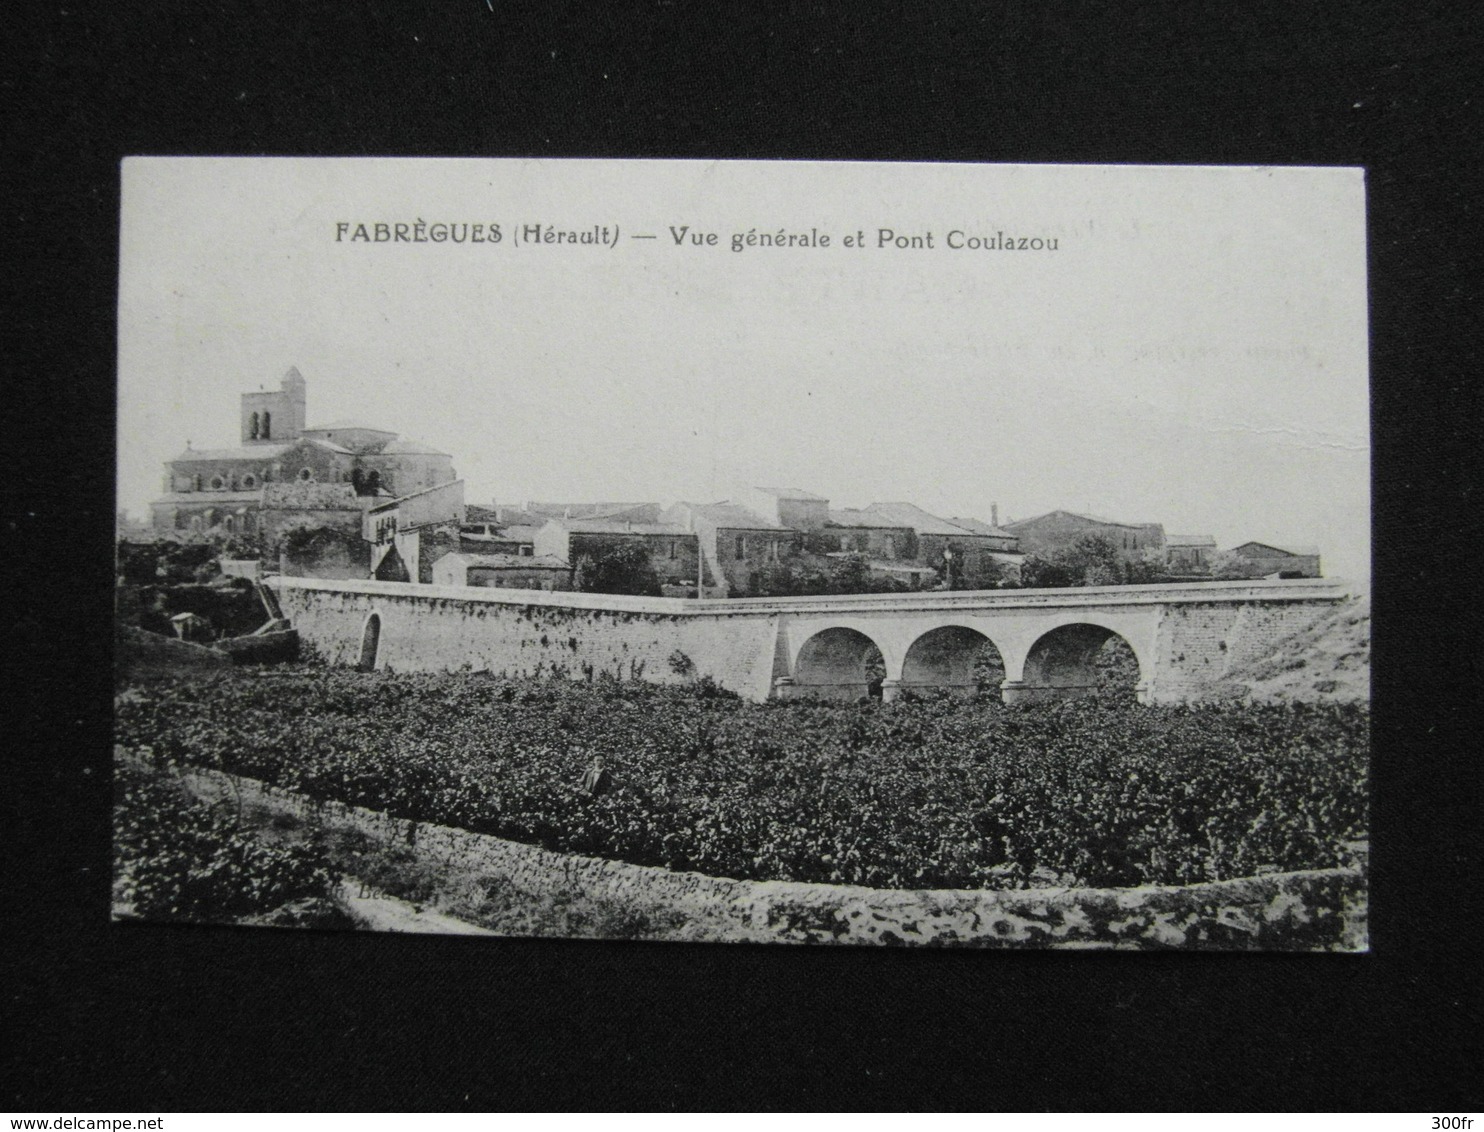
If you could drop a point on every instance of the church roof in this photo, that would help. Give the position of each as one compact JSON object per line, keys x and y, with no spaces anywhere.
{"x":327,"y":445}
{"x":254,"y":452}
{"x":410,"y":448}
{"x":346,"y":425}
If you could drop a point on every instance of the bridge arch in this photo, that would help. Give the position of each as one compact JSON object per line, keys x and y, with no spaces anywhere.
{"x":954,"y":658}
{"x":1080,"y":658}
{"x":839,"y":663}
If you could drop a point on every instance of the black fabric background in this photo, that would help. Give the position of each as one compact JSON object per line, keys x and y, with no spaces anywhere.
{"x":105,"y":1017}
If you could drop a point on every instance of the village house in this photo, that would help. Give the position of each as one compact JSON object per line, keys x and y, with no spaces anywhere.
{"x":734,"y":542}
{"x":1261,"y":560}
{"x":671,"y":547}
{"x":940,"y":543}
{"x":1190,"y":554}
{"x":503,"y":571}
{"x":1044,"y":535}
{"x":409,"y":534}
{"x":855,"y":531}
{"x":789,"y":507}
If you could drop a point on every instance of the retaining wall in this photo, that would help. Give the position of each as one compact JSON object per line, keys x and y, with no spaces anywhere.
{"x":441,"y":628}
{"x":1321,"y":910}
{"x":1200,"y":644}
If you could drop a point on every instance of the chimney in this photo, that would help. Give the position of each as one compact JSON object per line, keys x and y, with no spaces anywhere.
{"x":994,"y":514}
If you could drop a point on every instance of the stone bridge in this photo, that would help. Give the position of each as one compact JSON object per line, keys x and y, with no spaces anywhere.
{"x":1183,"y":636}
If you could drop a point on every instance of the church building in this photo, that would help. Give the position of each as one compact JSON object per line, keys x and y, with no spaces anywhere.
{"x":236,"y":490}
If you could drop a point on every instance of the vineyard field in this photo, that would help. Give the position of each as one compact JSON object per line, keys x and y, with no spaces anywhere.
{"x":925,"y":794}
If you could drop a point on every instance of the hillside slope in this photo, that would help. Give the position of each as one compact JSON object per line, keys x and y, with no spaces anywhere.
{"x":1327,"y":662}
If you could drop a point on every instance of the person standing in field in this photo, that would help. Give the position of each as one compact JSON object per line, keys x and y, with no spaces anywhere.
{"x":597,"y":780}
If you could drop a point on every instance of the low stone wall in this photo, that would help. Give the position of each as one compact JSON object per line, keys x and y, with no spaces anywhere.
{"x":1322,"y":910}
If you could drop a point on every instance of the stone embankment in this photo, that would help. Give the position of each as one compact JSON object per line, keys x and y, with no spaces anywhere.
{"x":1317,"y":910}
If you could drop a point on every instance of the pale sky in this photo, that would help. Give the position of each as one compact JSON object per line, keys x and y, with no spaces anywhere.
{"x":1194,"y":352}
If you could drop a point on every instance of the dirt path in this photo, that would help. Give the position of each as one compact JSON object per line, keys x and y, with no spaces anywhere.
{"x":383,"y":913}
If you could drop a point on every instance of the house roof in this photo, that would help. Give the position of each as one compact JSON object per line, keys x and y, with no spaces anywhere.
{"x":620,"y":527}
{"x":1078,"y":515}
{"x":587,"y":510}
{"x":518,"y":532}
{"x":1291,"y":552}
{"x":732,"y":516}
{"x":855,"y":517}
{"x":1189,"y":540}
{"x":910,"y":515}
{"x":792,"y":493}
{"x":979,"y":527}
{"x":414,"y":494}
{"x":510,"y":561}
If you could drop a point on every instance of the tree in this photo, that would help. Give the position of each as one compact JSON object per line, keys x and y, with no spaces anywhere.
{"x":1090,"y":561}
{"x":616,"y":566}
{"x":1093,"y":560}
{"x":851,"y":575}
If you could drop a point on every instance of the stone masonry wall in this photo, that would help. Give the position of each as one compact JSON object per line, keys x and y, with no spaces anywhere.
{"x":1321,"y":910}
{"x":1199,"y":644}
{"x":427,"y":632}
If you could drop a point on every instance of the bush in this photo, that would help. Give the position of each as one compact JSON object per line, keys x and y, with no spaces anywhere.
{"x":187,"y":860}
{"x":952,"y":794}
{"x":231,"y":605}
{"x":615,"y":566}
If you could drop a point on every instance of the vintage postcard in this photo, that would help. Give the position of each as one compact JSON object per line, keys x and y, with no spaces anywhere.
{"x":824,"y":553}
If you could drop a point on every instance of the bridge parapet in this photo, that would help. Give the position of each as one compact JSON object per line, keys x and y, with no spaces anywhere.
{"x":1296,"y":589}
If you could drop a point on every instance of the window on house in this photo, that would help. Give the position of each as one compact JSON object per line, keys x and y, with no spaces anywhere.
{"x":674,"y":549}
{"x":217,"y":483}
{"x":306,"y":475}
{"x":252,"y":428}
{"x":741,"y":547}
{"x":267,"y":431}
{"x":249,"y":481}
